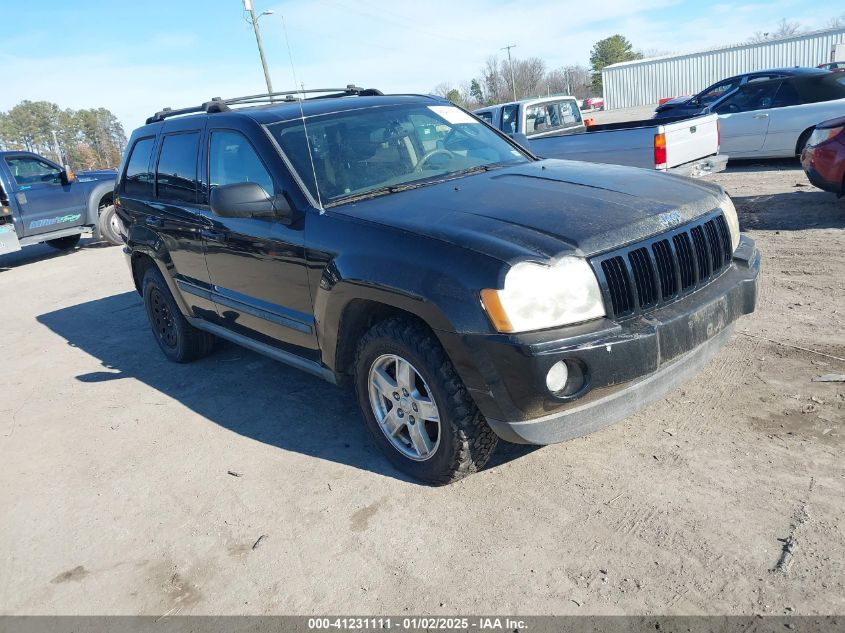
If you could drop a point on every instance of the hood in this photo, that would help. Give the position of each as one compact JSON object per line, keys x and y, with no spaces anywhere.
{"x":544,"y":209}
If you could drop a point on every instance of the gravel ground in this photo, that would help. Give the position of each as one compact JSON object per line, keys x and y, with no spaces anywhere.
{"x":726,"y":497}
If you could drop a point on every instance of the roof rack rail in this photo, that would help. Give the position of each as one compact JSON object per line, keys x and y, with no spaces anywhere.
{"x":216,"y":104}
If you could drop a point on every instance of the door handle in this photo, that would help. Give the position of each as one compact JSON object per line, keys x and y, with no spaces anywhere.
{"x":154,"y":222}
{"x":212,"y":235}
{"x":761,"y":116}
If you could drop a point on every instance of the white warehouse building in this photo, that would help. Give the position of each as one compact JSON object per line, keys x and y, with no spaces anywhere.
{"x":645,"y":81}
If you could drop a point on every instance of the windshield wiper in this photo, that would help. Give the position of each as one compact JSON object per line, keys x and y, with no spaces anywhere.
{"x":388,"y":189}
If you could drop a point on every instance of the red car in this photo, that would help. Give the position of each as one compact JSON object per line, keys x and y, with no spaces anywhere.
{"x":823,"y":158}
{"x":836,"y":67}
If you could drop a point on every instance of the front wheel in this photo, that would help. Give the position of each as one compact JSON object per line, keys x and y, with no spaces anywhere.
{"x":109,"y":227}
{"x":416,"y":405}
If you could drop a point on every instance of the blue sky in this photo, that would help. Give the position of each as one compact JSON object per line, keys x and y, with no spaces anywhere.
{"x":136,"y":57}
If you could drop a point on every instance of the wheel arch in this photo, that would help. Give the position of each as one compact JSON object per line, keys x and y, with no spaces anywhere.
{"x":102,"y":191}
{"x":802,"y":139}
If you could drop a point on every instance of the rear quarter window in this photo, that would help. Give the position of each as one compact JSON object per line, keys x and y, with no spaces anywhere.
{"x":137,"y":180}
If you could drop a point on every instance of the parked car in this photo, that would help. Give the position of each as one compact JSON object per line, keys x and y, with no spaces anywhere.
{"x":466,"y":289}
{"x":686,"y":146}
{"x":833,"y":66}
{"x":41,"y":201}
{"x":593,"y":103}
{"x":774,"y":119}
{"x":691,"y":106}
{"x":823,"y":158}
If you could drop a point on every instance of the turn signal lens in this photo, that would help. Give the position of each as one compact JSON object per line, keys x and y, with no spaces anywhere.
{"x":5,"y":211}
{"x":660,"y":151}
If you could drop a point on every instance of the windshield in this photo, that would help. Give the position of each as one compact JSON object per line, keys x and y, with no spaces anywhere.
{"x":357,"y":152}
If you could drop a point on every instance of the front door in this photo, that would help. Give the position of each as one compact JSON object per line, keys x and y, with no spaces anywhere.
{"x":45,"y":203}
{"x":744,"y":118}
{"x":257,"y":265}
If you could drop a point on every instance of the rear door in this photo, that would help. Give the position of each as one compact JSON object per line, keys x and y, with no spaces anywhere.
{"x":176,"y":213}
{"x":744,"y":118}
{"x":45,"y":204}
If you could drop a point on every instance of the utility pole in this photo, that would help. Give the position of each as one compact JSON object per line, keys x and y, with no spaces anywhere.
{"x":510,"y":63}
{"x":253,"y":19}
{"x":57,"y":149}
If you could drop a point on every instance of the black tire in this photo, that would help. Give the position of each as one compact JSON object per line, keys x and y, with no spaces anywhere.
{"x":108,"y":230}
{"x":179,"y":340}
{"x":64,"y":243}
{"x":466,"y":442}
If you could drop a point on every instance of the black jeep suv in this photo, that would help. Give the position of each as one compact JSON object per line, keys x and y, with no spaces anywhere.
{"x":467,"y":289}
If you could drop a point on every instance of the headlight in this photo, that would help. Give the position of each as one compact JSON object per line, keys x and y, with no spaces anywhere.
{"x":729,"y":210}
{"x":536,"y":297}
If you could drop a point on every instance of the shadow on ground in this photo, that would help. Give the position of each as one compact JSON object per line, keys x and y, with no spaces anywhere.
{"x":803,"y":208}
{"x":43,"y":252}
{"x":234,"y":388}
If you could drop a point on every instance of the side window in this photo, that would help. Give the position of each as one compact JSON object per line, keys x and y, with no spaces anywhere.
{"x":231,"y":159}
{"x":551,"y":116}
{"x":750,"y":97}
{"x":176,"y":173}
{"x":509,"y":119}
{"x":487,"y":117}
{"x":717,"y":91}
{"x":31,"y":171}
{"x":786,"y":95}
{"x":138,"y":181}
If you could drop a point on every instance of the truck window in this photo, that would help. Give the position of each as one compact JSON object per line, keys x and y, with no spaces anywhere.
{"x":547,"y":117}
{"x":138,"y":181}
{"x":486,"y":116}
{"x":176,"y":173}
{"x":232,"y":159}
{"x":749,"y":97}
{"x":29,"y":171}
{"x":509,"y":119}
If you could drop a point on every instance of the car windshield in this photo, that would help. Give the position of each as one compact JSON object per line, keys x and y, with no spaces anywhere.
{"x":383,"y":149}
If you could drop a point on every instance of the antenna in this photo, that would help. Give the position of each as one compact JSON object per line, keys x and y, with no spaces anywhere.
{"x":302,"y":116}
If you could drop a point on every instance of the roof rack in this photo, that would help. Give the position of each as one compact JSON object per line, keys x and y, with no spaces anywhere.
{"x":216,"y":104}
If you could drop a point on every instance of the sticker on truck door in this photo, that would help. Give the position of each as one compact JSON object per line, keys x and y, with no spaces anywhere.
{"x":8,"y":239}
{"x":72,"y":217}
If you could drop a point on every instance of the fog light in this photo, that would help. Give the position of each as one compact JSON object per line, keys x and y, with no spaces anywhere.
{"x":557,"y":377}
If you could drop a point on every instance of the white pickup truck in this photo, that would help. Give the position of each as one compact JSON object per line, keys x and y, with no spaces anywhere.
{"x":552,"y":127}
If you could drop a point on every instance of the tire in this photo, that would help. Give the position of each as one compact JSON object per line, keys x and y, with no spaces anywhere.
{"x":460,"y":440}
{"x":64,"y":243}
{"x":108,"y":226}
{"x":179,"y":340}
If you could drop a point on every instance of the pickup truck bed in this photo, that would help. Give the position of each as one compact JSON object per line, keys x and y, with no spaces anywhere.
{"x":686,"y":146}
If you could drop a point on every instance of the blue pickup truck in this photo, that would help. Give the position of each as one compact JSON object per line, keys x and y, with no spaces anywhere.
{"x":42,"y":202}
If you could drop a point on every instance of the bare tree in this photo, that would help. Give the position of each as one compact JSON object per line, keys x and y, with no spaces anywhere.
{"x":442,"y":89}
{"x":838,"y":22}
{"x":785,"y":28}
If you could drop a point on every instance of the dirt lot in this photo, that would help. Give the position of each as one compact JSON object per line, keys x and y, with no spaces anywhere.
{"x":726,"y":497}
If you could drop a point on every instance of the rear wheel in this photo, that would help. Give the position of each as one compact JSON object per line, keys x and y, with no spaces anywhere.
{"x":109,"y":227}
{"x":64,"y":243}
{"x":415,"y":405}
{"x":179,"y":340}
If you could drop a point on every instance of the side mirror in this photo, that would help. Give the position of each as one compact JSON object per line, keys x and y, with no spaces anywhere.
{"x":248,"y":200}
{"x":520,"y":138}
{"x":67,"y":176}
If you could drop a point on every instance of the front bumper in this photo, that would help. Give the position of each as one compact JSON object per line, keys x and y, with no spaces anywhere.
{"x":624,"y":366}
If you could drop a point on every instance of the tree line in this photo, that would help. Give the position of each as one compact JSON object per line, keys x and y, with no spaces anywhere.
{"x":83,"y":139}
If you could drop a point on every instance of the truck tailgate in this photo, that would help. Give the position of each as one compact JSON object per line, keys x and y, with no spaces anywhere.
{"x":691,"y":139}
